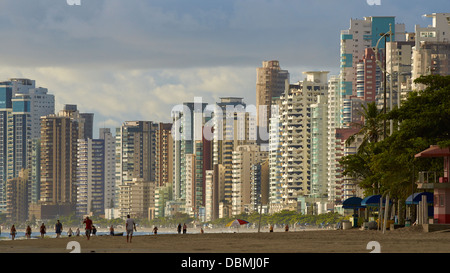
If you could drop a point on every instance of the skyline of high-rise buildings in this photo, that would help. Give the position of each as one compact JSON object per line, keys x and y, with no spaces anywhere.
{"x":211,"y":161}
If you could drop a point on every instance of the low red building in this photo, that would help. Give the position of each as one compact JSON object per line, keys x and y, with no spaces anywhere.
{"x":442,"y":187}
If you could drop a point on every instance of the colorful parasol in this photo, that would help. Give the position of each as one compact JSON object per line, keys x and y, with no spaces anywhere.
{"x":236,"y":222}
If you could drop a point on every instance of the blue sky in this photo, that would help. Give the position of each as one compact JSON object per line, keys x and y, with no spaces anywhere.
{"x":135,"y":59}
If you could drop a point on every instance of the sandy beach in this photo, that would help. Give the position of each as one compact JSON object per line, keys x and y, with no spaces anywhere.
{"x":404,"y":240}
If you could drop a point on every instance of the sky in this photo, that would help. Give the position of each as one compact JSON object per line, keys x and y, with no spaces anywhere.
{"x":136,"y":59}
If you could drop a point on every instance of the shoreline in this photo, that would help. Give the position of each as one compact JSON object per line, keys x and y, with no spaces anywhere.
{"x":404,"y":240}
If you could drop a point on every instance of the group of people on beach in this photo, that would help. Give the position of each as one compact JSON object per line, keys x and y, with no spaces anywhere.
{"x":90,"y":229}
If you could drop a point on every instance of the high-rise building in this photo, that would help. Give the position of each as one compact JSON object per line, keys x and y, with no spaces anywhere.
{"x":399,"y":67}
{"x":334,"y":123}
{"x":270,"y":82}
{"x":368,"y":76}
{"x":259,"y":186}
{"x":135,"y":155}
{"x":17,"y":198}
{"x":431,"y":51}
{"x":137,"y":197}
{"x":15,"y":137}
{"x":41,"y":103}
{"x":188,"y":139}
{"x":58,"y":191}
{"x":293,"y":165}
{"x":88,"y":125}
{"x":164,"y":154}
{"x":244,"y":158}
{"x":363,"y":34}
{"x":90,"y":176}
{"x":233,"y":126}
{"x":109,"y":166}
{"x":319,"y":138}
{"x":85,"y":120}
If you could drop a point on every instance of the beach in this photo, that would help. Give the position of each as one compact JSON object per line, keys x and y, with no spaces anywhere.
{"x":403,"y":240}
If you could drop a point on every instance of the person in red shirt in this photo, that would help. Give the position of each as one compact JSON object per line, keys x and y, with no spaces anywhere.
{"x":88,"y":223}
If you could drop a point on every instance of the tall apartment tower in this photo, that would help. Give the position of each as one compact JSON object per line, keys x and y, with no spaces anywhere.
{"x":334,"y":123}
{"x":363,"y":34}
{"x":270,"y":82}
{"x":431,"y":51}
{"x":85,"y":120}
{"x":368,"y":76}
{"x":244,"y":158}
{"x":188,"y":132}
{"x":290,"y":172}
{"x":135,"y":154}
{"x":17,"y":198}
{"x":90,"y":176}
{"x":399,"y":65}
{"x":109,"y":166}
{"x":319,"y":138}
{"x":58,"y":158}
{"x":164,"y":153}
{"x":15,"y":142}
{"x":233,"y":126}
{"x":41,"y":103}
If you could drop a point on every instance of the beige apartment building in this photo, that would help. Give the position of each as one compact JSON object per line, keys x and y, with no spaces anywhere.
{"x":270,"y":82}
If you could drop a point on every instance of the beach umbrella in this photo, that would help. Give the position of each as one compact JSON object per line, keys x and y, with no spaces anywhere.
{"x":352,"y":203}
{"x":236,"y":222}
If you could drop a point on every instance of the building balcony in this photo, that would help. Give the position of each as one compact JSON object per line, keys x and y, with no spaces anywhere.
{"x":431,"y":180}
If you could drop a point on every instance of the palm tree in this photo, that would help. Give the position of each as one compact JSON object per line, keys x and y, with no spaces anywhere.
{"x":371,"y":129}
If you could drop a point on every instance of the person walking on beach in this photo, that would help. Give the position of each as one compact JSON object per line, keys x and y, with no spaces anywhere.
{"x":184,"y":228}
{"x":271,"y":228}
{"x":111,"y":230}
{"x":43,"y":230}
{"x":179,"y":228}
{"x":94,"y":230}
{"x":28,"y":232}
{"x":88,"y":228}
{"x":58,"y":228}
{"x":13,"y":232}
{"x":286,"y":228}
{"x":77,"y":232}
{"x":69,"y":232}
{"x":130,"y":225}
{"x":155,"y":230}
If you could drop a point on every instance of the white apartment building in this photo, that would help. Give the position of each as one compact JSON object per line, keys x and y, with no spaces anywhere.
{"x":431,"y":51}
{"x":319,"y":152}
{"x":90,"y":176}
{"x":294,"y":161}
{"x":362,"y":34}
{"x":334,"y":122}
{"x":41,"y":103}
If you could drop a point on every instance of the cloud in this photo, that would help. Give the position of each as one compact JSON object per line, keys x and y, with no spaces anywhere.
{"x":129,"y":60}
{"x":121,"y":95}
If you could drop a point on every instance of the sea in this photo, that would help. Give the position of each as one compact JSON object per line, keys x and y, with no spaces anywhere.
{"x":5,"y":234}
{"x":37,"y":235}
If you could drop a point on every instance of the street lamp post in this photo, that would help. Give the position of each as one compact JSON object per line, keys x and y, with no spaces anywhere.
{"x":383,"y":68}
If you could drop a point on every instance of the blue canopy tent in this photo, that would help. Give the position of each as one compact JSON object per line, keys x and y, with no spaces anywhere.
{"x":355,"y":204}
{"x":371,"y":201}
{"x":352,"y":203}
{"x":417,"y":196}
{"x":414,"y":199}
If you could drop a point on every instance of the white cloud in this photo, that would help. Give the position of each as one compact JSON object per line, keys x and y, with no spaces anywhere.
{"x":136,"y":94}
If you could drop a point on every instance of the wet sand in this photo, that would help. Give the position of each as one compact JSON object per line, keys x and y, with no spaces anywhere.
{"x":404,"y":240}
